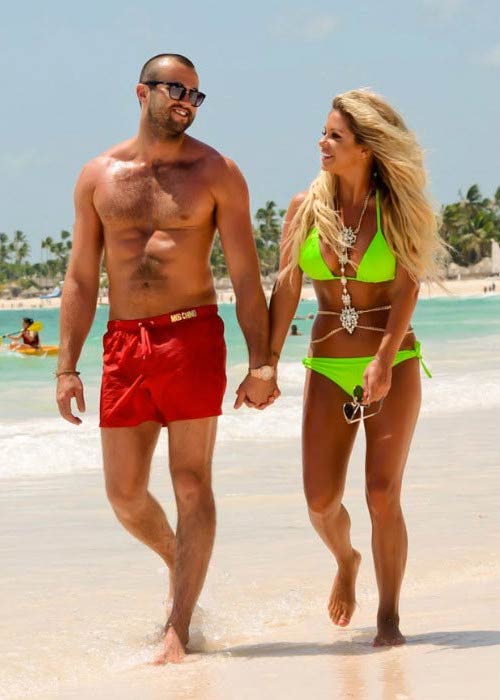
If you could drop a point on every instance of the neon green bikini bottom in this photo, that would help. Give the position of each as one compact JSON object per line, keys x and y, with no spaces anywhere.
{"x":347,"y":372}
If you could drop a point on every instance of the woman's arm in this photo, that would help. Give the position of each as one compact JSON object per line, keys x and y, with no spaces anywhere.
{"x":378,"y":374}
{"x":286,"y":293}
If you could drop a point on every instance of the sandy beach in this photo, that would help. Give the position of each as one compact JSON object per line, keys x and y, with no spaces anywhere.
{"x":456,"y":288}
{"x":85,"y":601}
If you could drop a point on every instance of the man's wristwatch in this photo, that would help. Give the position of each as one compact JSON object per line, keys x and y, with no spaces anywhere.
{"x":265,"y":372}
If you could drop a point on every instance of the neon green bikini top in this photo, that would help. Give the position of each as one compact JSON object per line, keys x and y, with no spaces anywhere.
{"x":378,"y":264}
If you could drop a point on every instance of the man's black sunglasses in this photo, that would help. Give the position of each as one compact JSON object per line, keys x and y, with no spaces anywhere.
{"x":177,"y":91}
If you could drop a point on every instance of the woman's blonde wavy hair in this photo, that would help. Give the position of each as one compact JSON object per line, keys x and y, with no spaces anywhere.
{"x":410,"y":223}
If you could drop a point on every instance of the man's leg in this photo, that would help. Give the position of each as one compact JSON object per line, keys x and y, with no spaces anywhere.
{"x":127,"y":454}
{"x":191,"y":445}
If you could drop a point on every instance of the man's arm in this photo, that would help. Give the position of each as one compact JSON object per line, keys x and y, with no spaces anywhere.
{"x":235,"y":230}
{"x":79,"y":296}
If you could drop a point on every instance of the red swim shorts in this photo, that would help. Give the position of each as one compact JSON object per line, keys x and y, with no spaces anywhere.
{"x":163,"y":368}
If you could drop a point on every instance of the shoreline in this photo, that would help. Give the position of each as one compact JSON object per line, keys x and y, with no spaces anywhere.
{"x":264,"y":600}
{"x":452,"y":289}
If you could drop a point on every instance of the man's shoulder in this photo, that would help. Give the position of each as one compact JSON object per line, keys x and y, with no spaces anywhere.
{"x":120,"y":152}
{"x":212,"y":157}
{"x":94,"y":169}
{"x":123,"y":151}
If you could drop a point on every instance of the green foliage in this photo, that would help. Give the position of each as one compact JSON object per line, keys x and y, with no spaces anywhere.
{"x":267,"y":232}
{"x":267,"y":236}
{"x":13,"y":256}
{"x":14,"y":253}
{"x":217,"y":260}
{"x":470,"y":225}
{"x":60,"y":252}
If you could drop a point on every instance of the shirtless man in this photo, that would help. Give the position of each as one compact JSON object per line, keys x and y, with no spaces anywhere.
{"x":152,"y":205}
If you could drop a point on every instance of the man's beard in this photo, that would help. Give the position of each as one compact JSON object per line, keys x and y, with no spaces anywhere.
{"x":164,"y":128}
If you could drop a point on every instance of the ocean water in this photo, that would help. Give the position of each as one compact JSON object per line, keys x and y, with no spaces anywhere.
{"x":93,"y":595}
{"x":461,"y":345}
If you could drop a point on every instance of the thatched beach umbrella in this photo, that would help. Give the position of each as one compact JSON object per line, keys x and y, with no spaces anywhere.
{"x":29,"y":292}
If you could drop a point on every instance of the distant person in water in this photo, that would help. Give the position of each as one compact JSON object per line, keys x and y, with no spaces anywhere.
{"x":25,"y":337}
{"x":294,"y":330}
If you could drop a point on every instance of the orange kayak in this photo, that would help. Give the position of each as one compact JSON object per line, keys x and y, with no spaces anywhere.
{"x":42,"y":351}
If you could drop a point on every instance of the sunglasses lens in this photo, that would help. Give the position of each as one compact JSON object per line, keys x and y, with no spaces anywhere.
{"x":358,"y":393}
{"x":349,"y":410}
{"x":196,"y":98}
{"x":176,"y":92}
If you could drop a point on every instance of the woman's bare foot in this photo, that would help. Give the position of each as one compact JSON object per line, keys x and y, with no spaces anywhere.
{"x":174,"y":648}
{"x":342,"y":601}
{"x":388,"y":633}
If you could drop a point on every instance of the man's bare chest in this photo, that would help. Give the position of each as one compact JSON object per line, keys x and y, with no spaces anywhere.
{"x":157,"y":198}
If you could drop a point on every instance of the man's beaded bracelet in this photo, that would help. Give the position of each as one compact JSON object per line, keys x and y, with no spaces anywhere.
{"x":66,"y":371}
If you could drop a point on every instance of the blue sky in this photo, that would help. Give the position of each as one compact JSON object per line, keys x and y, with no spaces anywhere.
{"x":270,"y":70}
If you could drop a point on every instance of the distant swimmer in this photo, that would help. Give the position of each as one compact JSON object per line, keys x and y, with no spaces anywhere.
{"x":26,"y":337}
{"x":294,"y":330}
{"x":309,"y":317}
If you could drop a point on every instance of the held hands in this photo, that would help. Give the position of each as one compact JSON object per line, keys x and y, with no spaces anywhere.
{"x":377,"y":380}
{"x":69,"y":386}
{"x":256,"y":393}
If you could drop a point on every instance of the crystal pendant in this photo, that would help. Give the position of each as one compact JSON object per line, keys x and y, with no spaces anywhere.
{"x":348,"y":236}
{"x":349,"y":319}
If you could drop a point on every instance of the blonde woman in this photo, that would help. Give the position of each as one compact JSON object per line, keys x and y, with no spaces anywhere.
{"x":366,"y":234}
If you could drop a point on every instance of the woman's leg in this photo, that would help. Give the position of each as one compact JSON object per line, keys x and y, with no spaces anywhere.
{"x":388,"y":438}
{"x":327,"y":442}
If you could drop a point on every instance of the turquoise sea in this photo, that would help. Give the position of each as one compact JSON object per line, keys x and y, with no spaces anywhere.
{"x":461,"y":345}
{"x":84,"y":600}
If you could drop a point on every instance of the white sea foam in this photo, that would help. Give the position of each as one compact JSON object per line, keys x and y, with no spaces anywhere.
{"x":50,"y":446}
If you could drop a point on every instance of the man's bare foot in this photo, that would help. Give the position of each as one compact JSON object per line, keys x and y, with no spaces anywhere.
{"x":343,"y":596}
{"x":388,"y":633}
{"x":174,"y":649}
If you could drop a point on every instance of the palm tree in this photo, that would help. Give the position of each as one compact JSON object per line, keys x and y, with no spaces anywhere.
{"x":61,"y":250}
{"x":267,"y":235}
{"x":4,"y":257}
{"x":217,"y":260}
{"x":496,"y":198}
{"x":470,"y":225}
{"x":4,"y":249}
{"x":19,"y":247}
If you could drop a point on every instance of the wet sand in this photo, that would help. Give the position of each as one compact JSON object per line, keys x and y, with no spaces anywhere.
{"x":83,"y":601}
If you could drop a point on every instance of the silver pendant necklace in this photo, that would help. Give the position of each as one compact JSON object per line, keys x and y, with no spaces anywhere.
{"x":349,"y":315}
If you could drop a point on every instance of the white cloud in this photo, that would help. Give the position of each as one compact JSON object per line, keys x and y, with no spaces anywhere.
{"x":301,"y":26}
{"x":492,"y":57}
{"x":17,"y":163}
{"x":319,"y":27}
{"x":443,"y":9}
